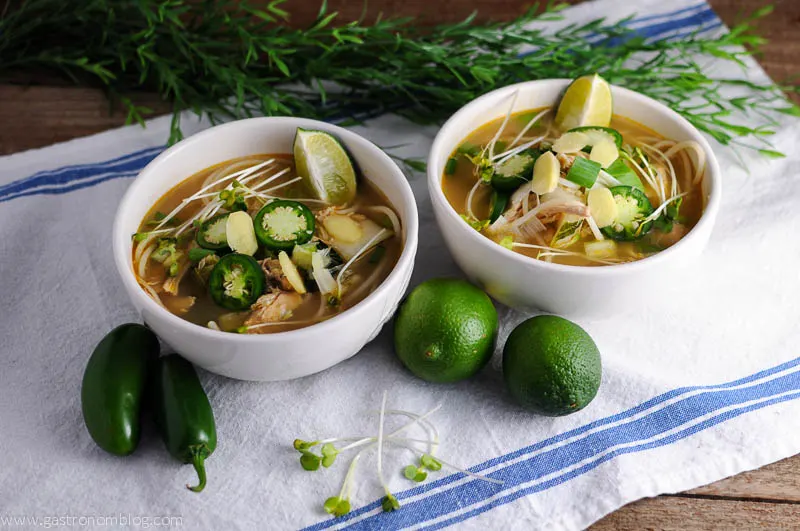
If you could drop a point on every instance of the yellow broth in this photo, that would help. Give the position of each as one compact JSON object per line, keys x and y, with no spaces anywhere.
{"x":315,"y":307}
{"x":457,"y":186}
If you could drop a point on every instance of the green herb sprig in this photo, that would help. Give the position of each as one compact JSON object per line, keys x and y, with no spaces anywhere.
{"x":227,"y":59}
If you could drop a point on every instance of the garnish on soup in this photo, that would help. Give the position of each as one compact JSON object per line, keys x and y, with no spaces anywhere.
{"x":268,"y":243}
{"x":576,"y":184}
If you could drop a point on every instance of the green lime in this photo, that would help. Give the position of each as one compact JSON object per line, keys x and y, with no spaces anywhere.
{"x":551,"y":366}
{"x":587,"y":102}
{"x":324,"y":166}
{"x":445,"y":330}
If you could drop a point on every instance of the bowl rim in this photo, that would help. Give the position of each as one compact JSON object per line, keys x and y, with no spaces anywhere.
{"x":405,"y":261}
{"x":707,"y":217}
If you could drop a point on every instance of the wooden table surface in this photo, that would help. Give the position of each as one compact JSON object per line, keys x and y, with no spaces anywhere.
{"x":767,"y":498}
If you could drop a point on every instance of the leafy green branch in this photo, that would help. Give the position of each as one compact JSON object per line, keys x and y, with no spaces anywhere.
{"x":227,"y":59}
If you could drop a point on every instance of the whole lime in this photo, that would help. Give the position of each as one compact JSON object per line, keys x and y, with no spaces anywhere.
{"x":551,"y":366}
{"x":445,"y":330}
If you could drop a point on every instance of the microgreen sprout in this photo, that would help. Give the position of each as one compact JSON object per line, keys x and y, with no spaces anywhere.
{"x":389,"y":503}
{"x":337,"y":506}
{"x":310,"y":461}
{"x":415,"y":473}
{"x":340,"y":504}
{"x":301,"y":445}
{"x":329,"y":453}
{"x":430,"y":462}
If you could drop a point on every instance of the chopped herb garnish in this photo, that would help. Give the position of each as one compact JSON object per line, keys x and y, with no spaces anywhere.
{"x":451,"y":166}
{"x":198,"y":253}
{"x":476,"y":224}
{"x":469,"y":150}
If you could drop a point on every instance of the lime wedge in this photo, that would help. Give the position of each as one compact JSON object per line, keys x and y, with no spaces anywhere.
{"x":324,"y":166}
{"x":587,"y":102}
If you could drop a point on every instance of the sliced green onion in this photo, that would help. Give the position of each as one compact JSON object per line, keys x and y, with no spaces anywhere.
{"x":198,"y":253}
{"x":450,"y":167}
{"x":499,"y":202}
{"x":584,"y":172}
{"x":468,"y":149}
{"x":624,"y":174}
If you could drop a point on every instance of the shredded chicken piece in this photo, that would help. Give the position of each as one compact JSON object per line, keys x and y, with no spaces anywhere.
{"x":566,"y":162}
{"x":171,"y":284}
{"x":203,"y":268}
{"x":273,"y":272}
{"x":273,"y":307}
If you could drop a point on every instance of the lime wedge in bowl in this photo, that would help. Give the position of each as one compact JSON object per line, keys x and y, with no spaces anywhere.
{"x":587,"y":102}
{"x":324,"y":166}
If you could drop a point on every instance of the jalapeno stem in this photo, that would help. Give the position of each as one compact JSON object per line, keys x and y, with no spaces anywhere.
{"x":198,"y":462}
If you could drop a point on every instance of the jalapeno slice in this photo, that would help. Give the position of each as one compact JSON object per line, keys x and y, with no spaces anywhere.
{"x":236,"y":282}
{"x":212,"y":233}
{"x":633,"y":211}
{"x":282,"y":224}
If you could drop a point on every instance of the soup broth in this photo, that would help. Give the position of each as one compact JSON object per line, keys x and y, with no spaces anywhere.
{"x":668,"y":173}
{"x":292,"y":295}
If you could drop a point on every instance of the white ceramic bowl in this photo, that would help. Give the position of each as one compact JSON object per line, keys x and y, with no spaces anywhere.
{"x":283,"y":355}
{"x":525,"y":283}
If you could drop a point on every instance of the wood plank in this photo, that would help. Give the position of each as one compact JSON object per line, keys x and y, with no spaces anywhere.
{"x":38,"y":116}
{"x":679,"y":513}
{"x":41,"y":115}
{"x":778,"y":481}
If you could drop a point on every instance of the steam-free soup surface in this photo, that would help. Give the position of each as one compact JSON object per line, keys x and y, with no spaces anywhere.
{"x":642,"y":150}
{"x":184,"y":290}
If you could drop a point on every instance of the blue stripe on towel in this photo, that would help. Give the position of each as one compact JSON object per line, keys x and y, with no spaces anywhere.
{"x":707,"y":399}
{"x":48,"y":182}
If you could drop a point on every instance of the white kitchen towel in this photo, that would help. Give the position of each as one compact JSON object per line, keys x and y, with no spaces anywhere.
{"x":699,"y":387}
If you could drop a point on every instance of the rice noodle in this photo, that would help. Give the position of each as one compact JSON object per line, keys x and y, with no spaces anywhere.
{"x":525,"y":203}
{"x":150,"y":291}
{"x":142,"y":246}
{"x":528,"y":126}
{"x":571,"y":207}
{"x":673,"y":176}
{"x":595,"y":229}
{"x":470,"y":198}
{"x":645,"y":175}
{"x":393,"y":219}
{"x":552,"y":251}
{"x":142,"y":265}
{"x":503,"y":125}
{"x":700,"y":163}
{"x":355,"y":257}
{"x":510,"y":153}
{"x":686,"y":161}
{"x":568,"y":184}
{"x":349,"y":209}
{"x":369,"y":281}
{"x":322,"y":305}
